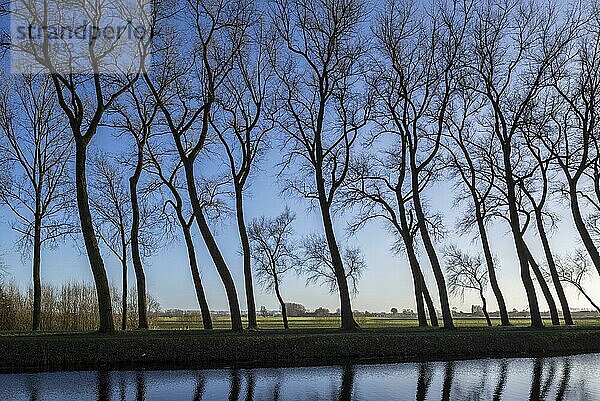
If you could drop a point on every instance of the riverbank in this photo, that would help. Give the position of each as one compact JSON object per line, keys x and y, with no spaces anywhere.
{"x":198,"y":349}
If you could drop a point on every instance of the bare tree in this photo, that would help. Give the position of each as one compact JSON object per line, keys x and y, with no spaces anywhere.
{"x":323,"y":107}
{"x":168,"y":172}
{"x":471,"y":162}
{"x":466,"y":272}
{"x":513,"y":46}
{"x":574,"y":269}
{"x":536,"y":190}
{"x":242,"y":128}
{"x":318,"y":267}
{"x":85,"y":86}
{"x":274,"y":253}
{"x":571,"y":137}
{"x":136,"y":113}
{"x":112,"y":216}
{"x":420,"y":53}
{"x":379,"y":191}
{"x":186,"y":85}
{"x":35,"y":157}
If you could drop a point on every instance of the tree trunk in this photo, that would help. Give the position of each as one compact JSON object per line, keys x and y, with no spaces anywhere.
{"x":348,"y":322}
{"x":282,"y":304}
{"x":413,"y":262}
{"x":417,"y":280}
{"x":421,"y":316}
{"x":484,"y":308}
{"x":429,"y":302}
{"x":552,"y":267}
{"x":138,"y":268}
{"x":189,"y":243}
{"x":91,"y":243}
{"x":521,"y":247}
{"x":124,"y":310}
{"x":581,"y":227}
{"x":545,"y":289}
{"x":432,"y":255}
{"x":239,"y":206}
{"x":213,"y":249}
{"x":580,"y":288}
{"x":489,"y":260}
{"x":37,"y":261}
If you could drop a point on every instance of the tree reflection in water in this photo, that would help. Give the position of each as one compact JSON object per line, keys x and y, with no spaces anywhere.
{"x":448,"y":377}
{"x":424,"y":381}
{"x":235,"y":389}
{"x":103,"y":385}
{"x":140,"y":386}
{"x":564,"y":381}
{"x":345,"y":393}
{"x":501,"y":385}
{"x":199,"y":388}
{"x":535,"y":379}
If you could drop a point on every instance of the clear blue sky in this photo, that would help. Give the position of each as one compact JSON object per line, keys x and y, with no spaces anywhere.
{"x":386,"y":283}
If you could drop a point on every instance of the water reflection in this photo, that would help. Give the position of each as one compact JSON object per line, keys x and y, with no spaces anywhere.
{"x":501,"y":381}
{"x":448,"y":376}
{"x":425,"y":375}
{"x":508,"y":379}
{"x":199,"y":389}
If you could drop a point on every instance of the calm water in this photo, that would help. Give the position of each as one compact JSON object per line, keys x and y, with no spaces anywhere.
{"x":564,"y":378}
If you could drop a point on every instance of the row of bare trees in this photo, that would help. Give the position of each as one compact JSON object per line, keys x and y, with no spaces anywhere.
{"x":373,"y":109}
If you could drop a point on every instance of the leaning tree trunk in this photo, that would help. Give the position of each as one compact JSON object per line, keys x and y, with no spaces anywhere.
{"x":282,"y":304}
{"x":552,"y":267}
{"x":484,"y":308}
{"x":586,"y":238}
{"x":520,"y":246}
{"x":545,"y":289}
{"x":348,"y":322}
{"x":431,"y":253}
{"x":138,"y":268}
{"x":584,"y":293}
{"x":429,"y":302}
{"x":200,"y":295}
{"x":413,"y":263}
{"x":239,"y":206}
{"x":489,"y":260}
{"x":213,"y":249}
{"x":421,"y":317}
{"x":37,"y":261}
{"x":105,"y":312}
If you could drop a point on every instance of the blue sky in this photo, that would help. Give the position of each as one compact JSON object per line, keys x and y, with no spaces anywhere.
{"x":386,"y":283}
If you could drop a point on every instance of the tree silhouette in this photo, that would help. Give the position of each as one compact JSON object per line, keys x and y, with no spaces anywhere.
{"x":274,"y":253}
{"x":35,"y":157}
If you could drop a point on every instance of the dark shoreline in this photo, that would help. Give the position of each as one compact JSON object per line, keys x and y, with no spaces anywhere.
{"x":201,"y":350}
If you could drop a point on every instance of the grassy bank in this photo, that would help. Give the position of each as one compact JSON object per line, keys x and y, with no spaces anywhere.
{"x":197,"y":349}
{"x":332,"y":322}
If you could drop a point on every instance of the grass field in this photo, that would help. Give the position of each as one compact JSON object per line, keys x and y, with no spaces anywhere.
{"x":266,"y":323}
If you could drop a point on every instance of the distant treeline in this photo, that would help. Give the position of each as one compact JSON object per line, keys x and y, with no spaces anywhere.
{"x":71,"y":307}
